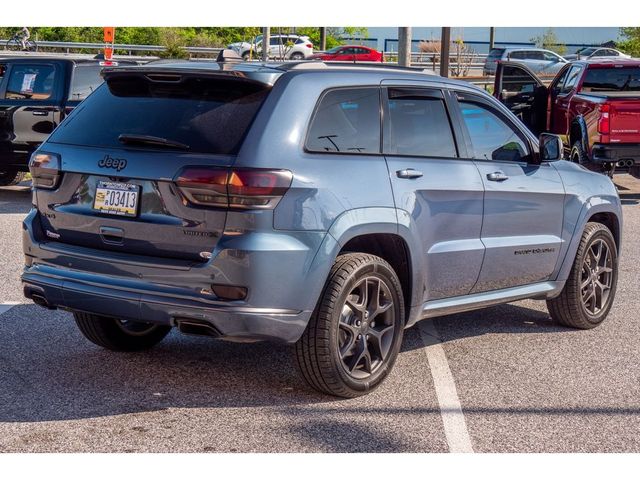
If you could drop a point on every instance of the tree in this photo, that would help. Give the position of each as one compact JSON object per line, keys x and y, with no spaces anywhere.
{"x":548,"y":40}
{"x":631,"y":42}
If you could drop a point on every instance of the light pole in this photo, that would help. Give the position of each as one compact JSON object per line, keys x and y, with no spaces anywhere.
{"x":445,"y":46}
{"x":404,"y":46}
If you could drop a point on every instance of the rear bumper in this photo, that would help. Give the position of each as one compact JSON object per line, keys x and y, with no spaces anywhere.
{"x":627,"y":154}
{"x":277,"y":268}
{"x":59,"y":288}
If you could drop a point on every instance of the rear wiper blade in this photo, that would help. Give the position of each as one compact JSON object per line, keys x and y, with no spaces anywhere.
{"x":130,"y":138}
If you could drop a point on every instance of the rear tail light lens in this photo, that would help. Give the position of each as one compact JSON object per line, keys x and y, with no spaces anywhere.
{"x":235,"y":188}
{"x":309,"y":45}
{"x":45,"y":170}
{"x":604,"y":125}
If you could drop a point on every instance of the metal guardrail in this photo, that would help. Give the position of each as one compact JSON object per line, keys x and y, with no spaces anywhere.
{"x":68,"y":46}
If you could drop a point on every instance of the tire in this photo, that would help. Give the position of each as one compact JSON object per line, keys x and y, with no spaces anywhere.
{"x":245,"y":56}
{"x":32,"y":46}
{"x":575,"y":306}
{"x":11,"y":177}
{"x":296,"y":56}
{"x":13,"y":44}
{"x":578,"y":155}
{"x":119,"y":336}
{"x":331,"y":356}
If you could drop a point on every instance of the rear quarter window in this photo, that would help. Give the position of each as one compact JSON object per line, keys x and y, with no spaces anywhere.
{"x":86,"y":78}
{"x":346,"y":120}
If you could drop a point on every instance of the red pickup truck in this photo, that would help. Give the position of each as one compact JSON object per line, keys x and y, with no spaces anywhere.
{"x":593,"y":105}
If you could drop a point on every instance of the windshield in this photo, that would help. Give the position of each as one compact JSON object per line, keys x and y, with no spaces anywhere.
{"x":204,"y":115}
{"x":334,"y":49}
{"x":586,"y":51}
{"x":612,"y":80}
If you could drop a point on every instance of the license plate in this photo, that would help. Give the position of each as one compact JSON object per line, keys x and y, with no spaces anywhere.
{"x":117,"y":198}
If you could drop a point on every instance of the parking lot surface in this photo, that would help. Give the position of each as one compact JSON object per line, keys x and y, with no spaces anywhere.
{"x":503,"y":379}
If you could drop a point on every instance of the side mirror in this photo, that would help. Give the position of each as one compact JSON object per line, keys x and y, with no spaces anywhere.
{"x":551,"y":147}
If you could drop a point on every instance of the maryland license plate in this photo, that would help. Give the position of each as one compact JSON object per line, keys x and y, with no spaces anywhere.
{"x":117,"y":198}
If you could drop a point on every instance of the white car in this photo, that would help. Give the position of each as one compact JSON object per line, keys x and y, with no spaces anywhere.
{"x":282,"y":47}
{"x":593,"y":52}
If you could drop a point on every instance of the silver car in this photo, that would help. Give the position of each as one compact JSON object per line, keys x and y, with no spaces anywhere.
{"x":596,"y":52}
{"x":281,"y":47}
{"x":538,"y":60}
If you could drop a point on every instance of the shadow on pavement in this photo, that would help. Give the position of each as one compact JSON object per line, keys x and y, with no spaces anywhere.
{"x":509,"y":319}
{"x":48,"y":371}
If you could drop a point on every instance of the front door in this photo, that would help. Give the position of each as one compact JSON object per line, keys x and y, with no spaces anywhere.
{"x":562,"y":91}
{"x":437,"y":191}
{"x":523,"y":202}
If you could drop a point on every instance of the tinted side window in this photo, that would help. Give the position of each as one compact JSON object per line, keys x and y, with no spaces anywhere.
{"x":492,"y":137}
{"x":31,"y":82}
{"x":346,"y":120}
{"x":557,"y":86}
{"x":86,"y":78}
{"x":517,"y":80}
{"x":418,"y":125}
{"x":518,"y":55}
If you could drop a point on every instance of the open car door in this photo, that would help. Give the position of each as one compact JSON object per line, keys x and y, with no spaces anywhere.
{"x":524,"y":93}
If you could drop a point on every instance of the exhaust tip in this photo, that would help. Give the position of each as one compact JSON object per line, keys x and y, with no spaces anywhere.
{"x":42,"y":301}
{"x":201,"y":328}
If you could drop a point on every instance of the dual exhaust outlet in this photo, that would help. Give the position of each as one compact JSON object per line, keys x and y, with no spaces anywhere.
{"x":625,"y":163}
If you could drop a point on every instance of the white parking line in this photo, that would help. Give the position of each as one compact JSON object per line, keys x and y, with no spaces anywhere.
{"x":455,"y":426}
{"x":6,"y":306}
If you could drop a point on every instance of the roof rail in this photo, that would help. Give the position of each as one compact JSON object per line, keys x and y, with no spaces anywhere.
{"x":319,"y":64}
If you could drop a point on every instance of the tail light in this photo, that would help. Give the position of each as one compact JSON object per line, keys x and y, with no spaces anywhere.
{"x":309,"y":45}
{"x":603,"y":122}
{"x":236,"y":188}
{"x":45,"y":170}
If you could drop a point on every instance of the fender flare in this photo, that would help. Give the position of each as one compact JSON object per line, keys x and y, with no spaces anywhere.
{"x":581,"y":124}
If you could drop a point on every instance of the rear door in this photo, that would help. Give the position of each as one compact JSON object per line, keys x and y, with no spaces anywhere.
{"x":119,"y":192}
{"x":523,"y":93}
{"x":523,"y":202}
{"x":30,"y":105}
{"x":437,"y":186}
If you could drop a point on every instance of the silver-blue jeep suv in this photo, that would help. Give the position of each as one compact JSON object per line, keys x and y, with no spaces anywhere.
{"x":330,"y":206}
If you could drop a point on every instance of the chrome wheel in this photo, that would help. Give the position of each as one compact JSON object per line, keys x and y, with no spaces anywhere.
{"x":366,"y":327}
{"x":596,"y":277}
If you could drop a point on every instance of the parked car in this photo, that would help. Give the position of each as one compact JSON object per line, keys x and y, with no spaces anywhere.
{"x":36,"y":93}
{"x":595,"y":52}
{"x":349,"y":53}
{"x":544,"y":62}
{"x":174,"y":198}
{"x":593,"y":105}
{"x":288,"y":47}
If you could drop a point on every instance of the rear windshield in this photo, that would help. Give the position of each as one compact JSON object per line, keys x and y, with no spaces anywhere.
{"x":624,"y":79}
{"x":208,"y":115}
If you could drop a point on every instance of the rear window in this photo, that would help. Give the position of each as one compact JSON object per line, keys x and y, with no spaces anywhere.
{"x":625,"y":79}
{"x":209,"y":115}
{"x":30,"y":82}
{"x":86,"y":78}
{"x":346,"y":120}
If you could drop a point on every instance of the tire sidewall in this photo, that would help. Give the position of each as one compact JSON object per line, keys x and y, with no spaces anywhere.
{"x":389,"y":277}
{"x":602,"y":234}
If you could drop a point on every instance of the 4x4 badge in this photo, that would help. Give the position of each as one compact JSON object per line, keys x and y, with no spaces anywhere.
{"x":110,"y":162}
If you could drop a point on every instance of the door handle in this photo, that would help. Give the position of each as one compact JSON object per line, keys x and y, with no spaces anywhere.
{"x":112,"y":235}
{"x":408,"y":173}
{"x":497,"y":176}
{"x":39,"y":113}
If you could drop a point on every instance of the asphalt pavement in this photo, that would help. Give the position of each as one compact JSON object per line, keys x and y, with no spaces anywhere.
{"x":507,"y":378}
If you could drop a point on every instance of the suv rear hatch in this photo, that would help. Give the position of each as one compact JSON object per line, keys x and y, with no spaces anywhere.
{"x":123,"y":156}
{"x":620,"y":85}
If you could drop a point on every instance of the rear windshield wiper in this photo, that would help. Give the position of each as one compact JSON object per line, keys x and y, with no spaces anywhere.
{"x":131,"y":139}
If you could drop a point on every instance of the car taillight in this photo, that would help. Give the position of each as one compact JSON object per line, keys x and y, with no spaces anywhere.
{"x":603,"y":122}
{"x":309,"y":45}
{"x":45,"y":170}
{"x":235,"y":188}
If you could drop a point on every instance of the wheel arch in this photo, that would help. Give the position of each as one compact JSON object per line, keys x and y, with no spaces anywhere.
{"x":578,"y":132}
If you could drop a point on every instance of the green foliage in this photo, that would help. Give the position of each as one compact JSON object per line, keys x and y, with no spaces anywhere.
{"x":549,"y":41}
{"x":175,"y":38}
{"x":631,"y":43}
